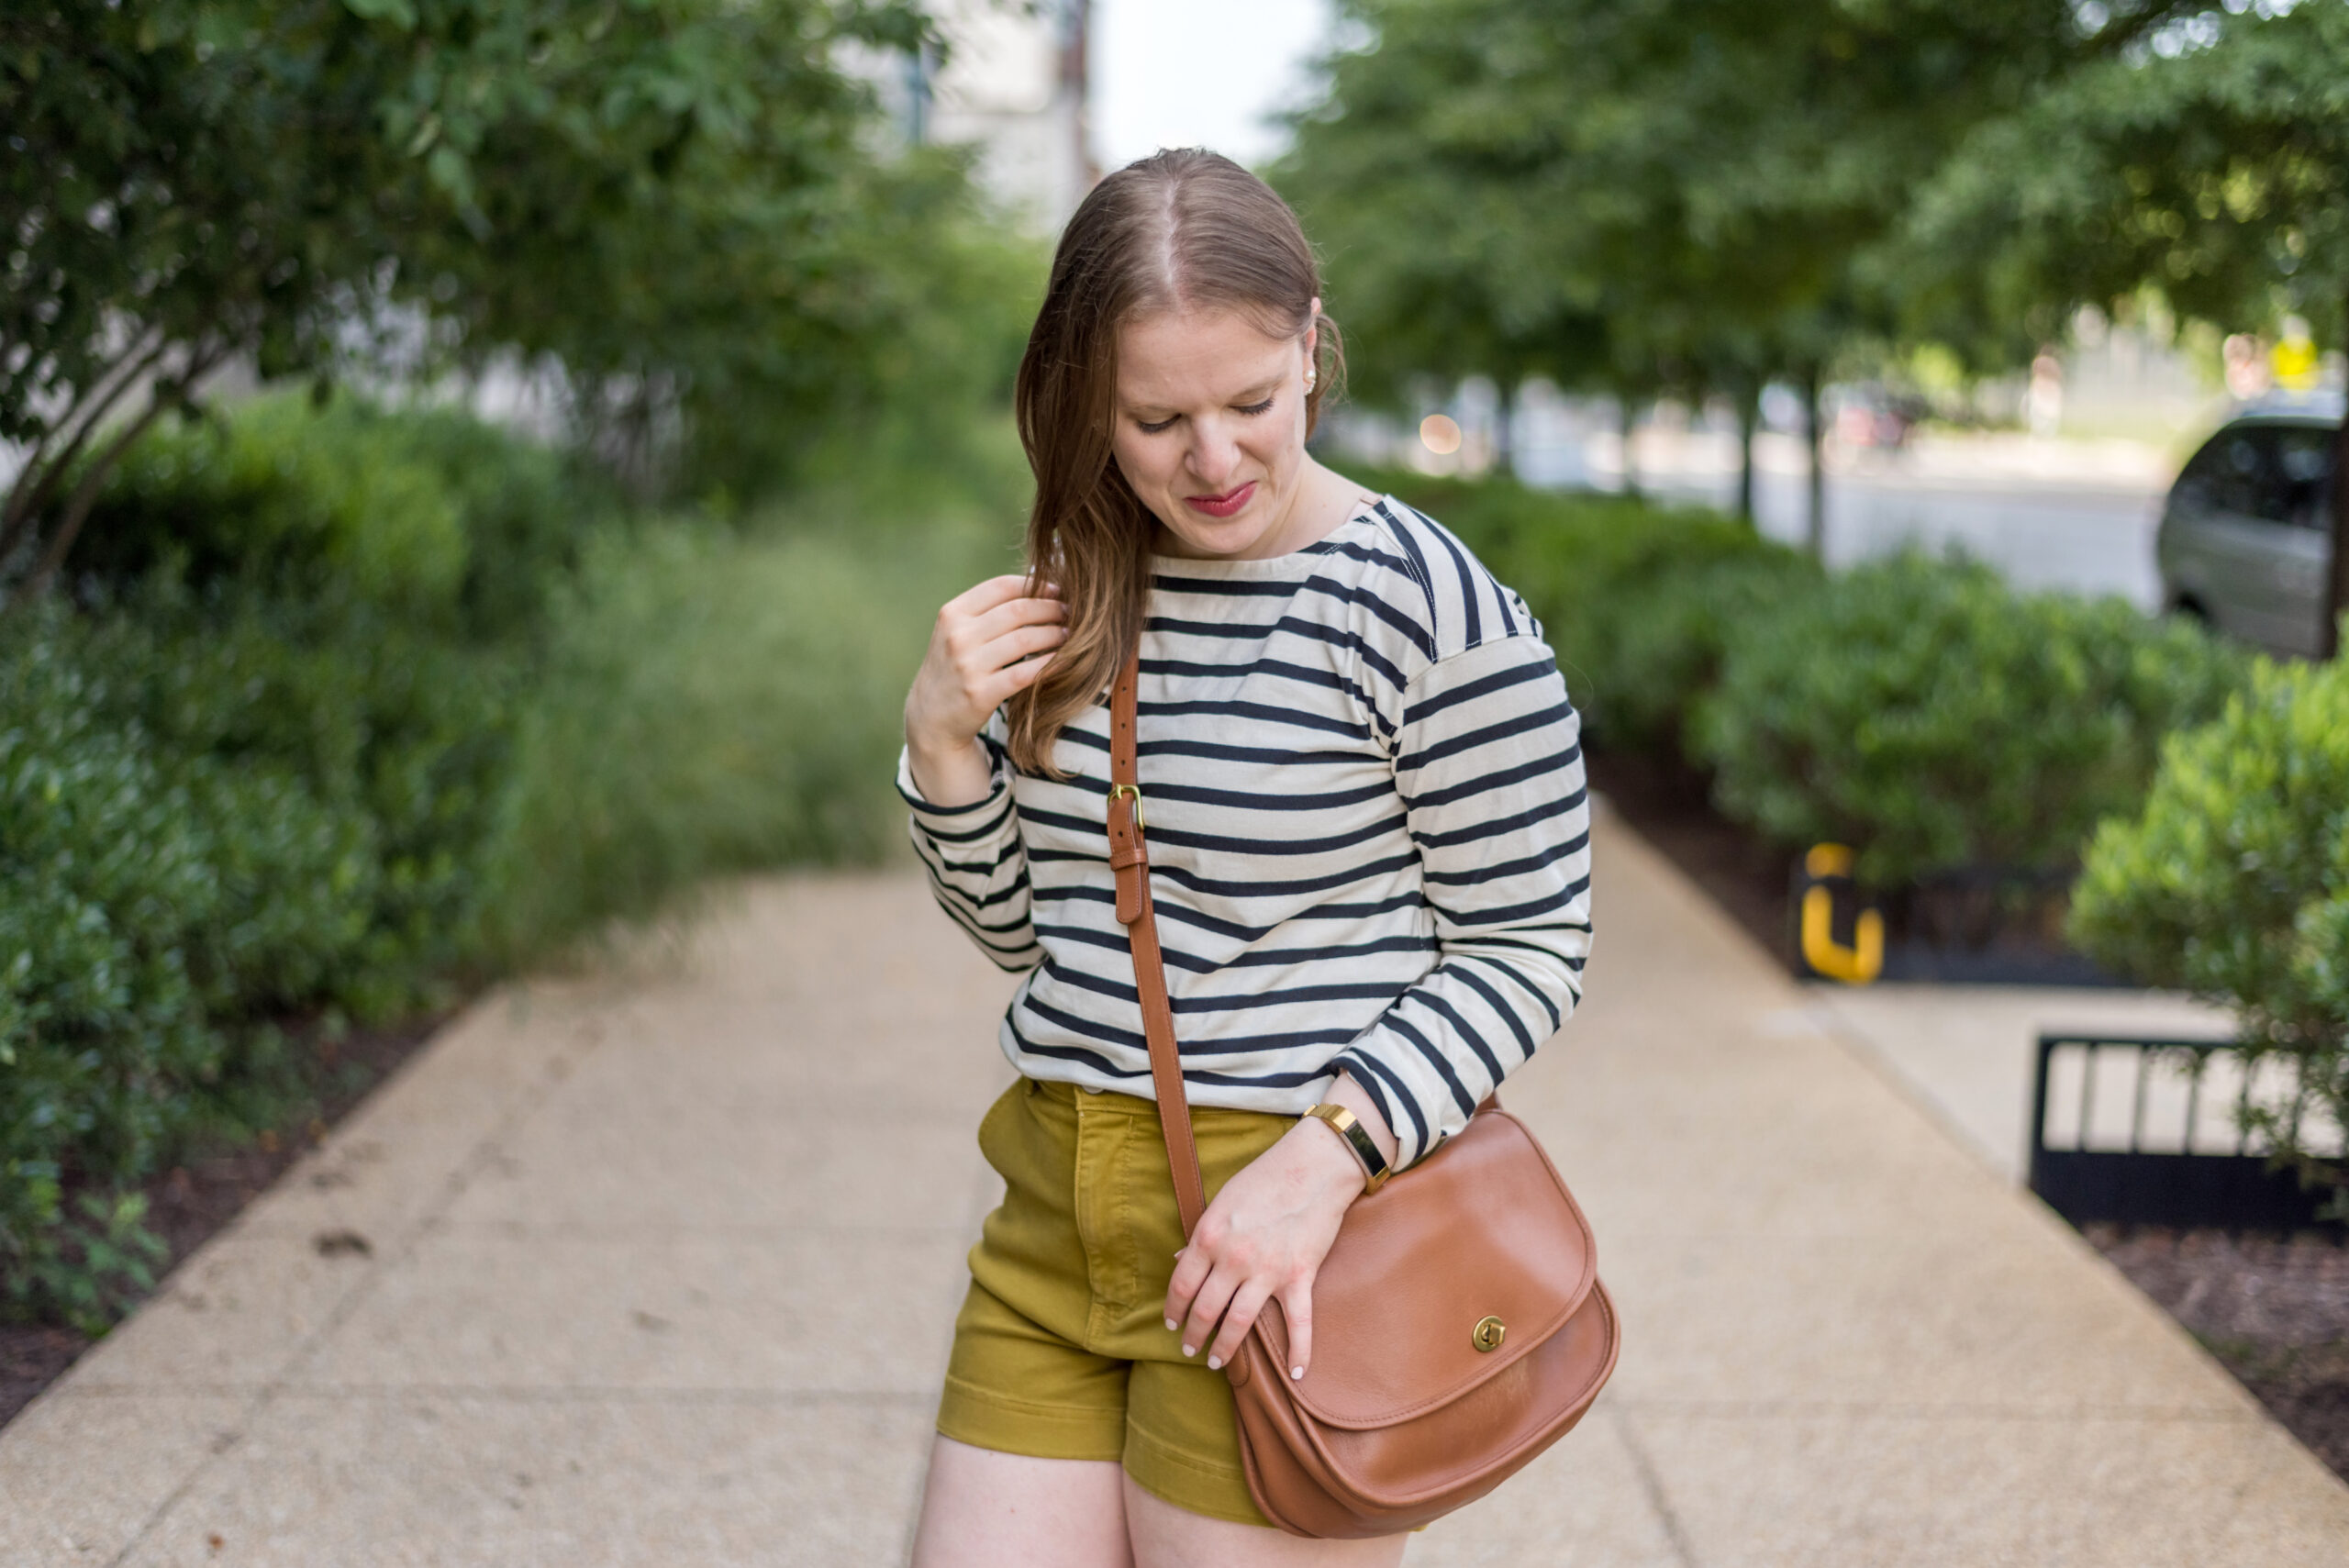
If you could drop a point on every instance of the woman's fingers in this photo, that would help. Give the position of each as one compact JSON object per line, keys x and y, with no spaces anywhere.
{"x":1023,"y":658}
{"x":980,"y":646}
{"x":1192,"y":1267}
{"x":981,"y":598}
{"x":1014,"y":646}
{"x":1010,"y":615}
{"x":1207,"y":1307}
{"x":1238,"y":1318}
{"x":1297,"y":1310}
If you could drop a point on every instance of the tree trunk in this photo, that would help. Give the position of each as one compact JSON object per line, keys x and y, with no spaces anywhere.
{"x":1504,"y":437}
{"x":2336,"y":599}
{"x":1749,"y":414}
{"x":1815,"y":529}
{"x":1627,"y":418}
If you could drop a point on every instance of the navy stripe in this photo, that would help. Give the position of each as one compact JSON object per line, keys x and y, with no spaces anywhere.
{"x":1435,"y":1058}
{"x":1461,"y":1026}
{"x":1476,"y":876}
{"x":1294,"y":995}
{"x":1518,"y":727}
{"x":1502,"y":1010}
{"x":1484,"y":686}
{"x":1523,"y":772}
{"x":1512,"y":913}
{"x":1376,"y":1077}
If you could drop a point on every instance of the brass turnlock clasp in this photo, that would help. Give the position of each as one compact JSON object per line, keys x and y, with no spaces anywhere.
{"x":1487,"y":1336}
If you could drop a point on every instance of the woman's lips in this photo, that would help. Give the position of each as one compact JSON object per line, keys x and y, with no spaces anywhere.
{"x":1223,"y":506}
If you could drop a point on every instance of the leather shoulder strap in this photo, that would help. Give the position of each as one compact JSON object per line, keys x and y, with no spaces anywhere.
{"x":1129,"y":859}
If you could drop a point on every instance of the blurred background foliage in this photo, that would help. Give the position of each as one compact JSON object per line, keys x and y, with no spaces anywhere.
{"x":324,"y":706}
{"x":1698,"y":197}
{"x":319,"y":708}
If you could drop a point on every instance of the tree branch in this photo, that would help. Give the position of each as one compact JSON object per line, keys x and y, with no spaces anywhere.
{"x":39,"y":480}
{"x":85,"y":494}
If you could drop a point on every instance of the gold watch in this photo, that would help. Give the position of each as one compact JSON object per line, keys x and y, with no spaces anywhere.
{"x":1365,"y":1148}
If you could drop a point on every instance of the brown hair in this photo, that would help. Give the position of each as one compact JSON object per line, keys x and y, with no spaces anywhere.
{"x":1179,"y":229}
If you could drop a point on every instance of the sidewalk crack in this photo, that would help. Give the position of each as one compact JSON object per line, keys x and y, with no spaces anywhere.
{"x":1652,"y":1486}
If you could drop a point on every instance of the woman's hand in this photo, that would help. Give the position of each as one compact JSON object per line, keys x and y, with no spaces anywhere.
{"x":1266,"y":1235}
{"x":984,"y":647}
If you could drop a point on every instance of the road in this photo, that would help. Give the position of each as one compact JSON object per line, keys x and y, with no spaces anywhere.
{"x":2050,"y":514}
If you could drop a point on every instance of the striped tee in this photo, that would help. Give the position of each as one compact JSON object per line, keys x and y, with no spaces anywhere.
{"x":1369,"y":838}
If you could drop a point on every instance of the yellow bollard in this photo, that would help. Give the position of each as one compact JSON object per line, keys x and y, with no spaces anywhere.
{"x":1864,"y":960}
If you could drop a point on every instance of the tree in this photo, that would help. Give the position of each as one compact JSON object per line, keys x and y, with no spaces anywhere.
{"x":677,"y":200}
{"x":2207,"y":162}
{"x":1702,"y":186}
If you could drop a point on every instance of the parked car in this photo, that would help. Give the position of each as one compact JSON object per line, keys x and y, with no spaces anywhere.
{"x":2246,"y":536}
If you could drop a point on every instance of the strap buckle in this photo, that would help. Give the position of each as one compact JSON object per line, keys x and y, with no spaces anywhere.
{"x":1131,"y":791}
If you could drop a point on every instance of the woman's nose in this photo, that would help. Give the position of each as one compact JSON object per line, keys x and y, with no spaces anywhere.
{"x":1214,"y":454}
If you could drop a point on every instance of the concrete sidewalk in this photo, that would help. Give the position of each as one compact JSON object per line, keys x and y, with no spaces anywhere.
{"x":659,"y":1270}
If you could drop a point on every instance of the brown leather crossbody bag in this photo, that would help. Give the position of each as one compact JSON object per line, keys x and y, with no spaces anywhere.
{"x":1460,"y":1326}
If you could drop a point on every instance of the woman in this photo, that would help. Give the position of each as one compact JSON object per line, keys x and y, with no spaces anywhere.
{"x":1369,"y":854}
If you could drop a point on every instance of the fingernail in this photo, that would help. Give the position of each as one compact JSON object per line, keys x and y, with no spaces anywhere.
{"x":1215,"y":1364}
{"x":1171,"y":1326}
{"x":1189,"y":1352}
{"x":1296,"y":1372}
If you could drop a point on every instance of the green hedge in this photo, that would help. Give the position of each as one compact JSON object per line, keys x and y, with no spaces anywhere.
{"x":2232,"y":880}
{"x":352,"y":708}
{"x":451,"y":522}
{"x":1934,"y":719}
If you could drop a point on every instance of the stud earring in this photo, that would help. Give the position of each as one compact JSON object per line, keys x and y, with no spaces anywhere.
{"x":1310,"y":377}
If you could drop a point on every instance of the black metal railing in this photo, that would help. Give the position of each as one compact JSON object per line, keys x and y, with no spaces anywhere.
{"x":2164,"y":1171}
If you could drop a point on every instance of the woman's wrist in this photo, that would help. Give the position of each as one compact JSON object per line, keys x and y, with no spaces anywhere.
{"x":951,"y":773}
{"x":1338,"y":1169}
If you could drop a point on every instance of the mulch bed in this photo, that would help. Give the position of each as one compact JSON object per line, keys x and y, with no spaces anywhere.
{"x":2275,"y":1311}
{"x":188,"y":1203}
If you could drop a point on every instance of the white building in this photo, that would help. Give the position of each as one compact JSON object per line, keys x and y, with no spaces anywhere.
{"x":1013,"y":83}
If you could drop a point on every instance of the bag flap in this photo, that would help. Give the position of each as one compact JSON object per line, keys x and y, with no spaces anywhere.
{"x":1481,"y":1229}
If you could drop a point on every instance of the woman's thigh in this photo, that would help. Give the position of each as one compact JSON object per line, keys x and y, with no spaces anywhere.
{"x":986,"y":1509}
{"x":1164,"y":1536}
{"x":982,"y":1508}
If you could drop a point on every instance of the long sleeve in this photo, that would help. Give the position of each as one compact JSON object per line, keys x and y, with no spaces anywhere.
{"x":1489,"y":762}
{"x":977,"y":863}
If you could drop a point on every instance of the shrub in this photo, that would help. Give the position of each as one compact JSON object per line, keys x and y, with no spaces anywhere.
{"x":270,"y":770}
{"x":2232,"y":880}
{"x":148,"y":900}
{"x":714,"y":702}
{"x":1922,"y":712}
{"x":431,"y":514}
{"x":410,"y":733}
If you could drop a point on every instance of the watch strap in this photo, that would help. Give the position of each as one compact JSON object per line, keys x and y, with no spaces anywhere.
{"x":1348,"y":1126}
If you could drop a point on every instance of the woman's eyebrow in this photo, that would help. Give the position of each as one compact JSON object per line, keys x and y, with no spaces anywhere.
{"x":1257,"y":392}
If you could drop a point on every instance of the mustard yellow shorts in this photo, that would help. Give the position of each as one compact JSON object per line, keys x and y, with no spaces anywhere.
{"x":1061,"y":1349}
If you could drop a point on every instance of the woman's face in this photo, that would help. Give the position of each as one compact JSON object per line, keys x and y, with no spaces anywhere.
{"x":1210,"y":430}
